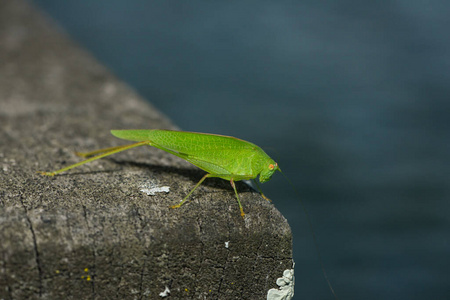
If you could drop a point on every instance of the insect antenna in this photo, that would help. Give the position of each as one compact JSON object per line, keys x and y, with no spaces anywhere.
{"x":311,"y":228}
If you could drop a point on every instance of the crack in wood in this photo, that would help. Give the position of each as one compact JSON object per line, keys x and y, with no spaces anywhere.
{"x":35,"y":247}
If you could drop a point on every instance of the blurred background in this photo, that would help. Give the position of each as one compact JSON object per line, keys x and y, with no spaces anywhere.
{"x":350,"y":97}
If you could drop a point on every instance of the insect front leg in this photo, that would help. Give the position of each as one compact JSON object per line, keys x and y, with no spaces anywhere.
{"x":260,"y":191}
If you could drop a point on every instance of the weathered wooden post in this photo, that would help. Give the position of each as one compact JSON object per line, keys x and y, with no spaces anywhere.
{"x":96,"y":233}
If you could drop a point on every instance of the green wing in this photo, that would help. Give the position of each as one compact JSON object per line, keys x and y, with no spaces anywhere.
{"x":216,"y":154}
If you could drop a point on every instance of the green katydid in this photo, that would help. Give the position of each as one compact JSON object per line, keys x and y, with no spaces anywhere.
{"x":220,"y":156}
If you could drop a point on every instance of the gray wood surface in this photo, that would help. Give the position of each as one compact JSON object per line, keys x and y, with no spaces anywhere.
{"x":92,"y":233}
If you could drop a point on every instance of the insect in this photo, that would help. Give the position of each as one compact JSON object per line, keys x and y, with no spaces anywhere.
{"x":220,"y":156}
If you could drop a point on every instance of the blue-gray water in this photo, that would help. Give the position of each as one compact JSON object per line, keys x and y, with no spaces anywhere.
{"x":352,"y":95}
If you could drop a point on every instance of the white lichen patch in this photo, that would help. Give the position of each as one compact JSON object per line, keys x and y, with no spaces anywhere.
{"x":286,"y":287}
{"x":165,"y":293}
{"x":151,"y":189}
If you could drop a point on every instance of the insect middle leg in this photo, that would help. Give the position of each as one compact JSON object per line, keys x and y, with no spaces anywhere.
{"x":237,"y":197}
{"x":200,"y":182}
{"x":187,"y":196}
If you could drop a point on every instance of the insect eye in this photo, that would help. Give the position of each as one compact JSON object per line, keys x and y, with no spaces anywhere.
{"x":271,"y":167}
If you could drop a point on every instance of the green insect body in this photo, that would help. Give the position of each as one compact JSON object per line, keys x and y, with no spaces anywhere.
{"x":220,"y":156}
